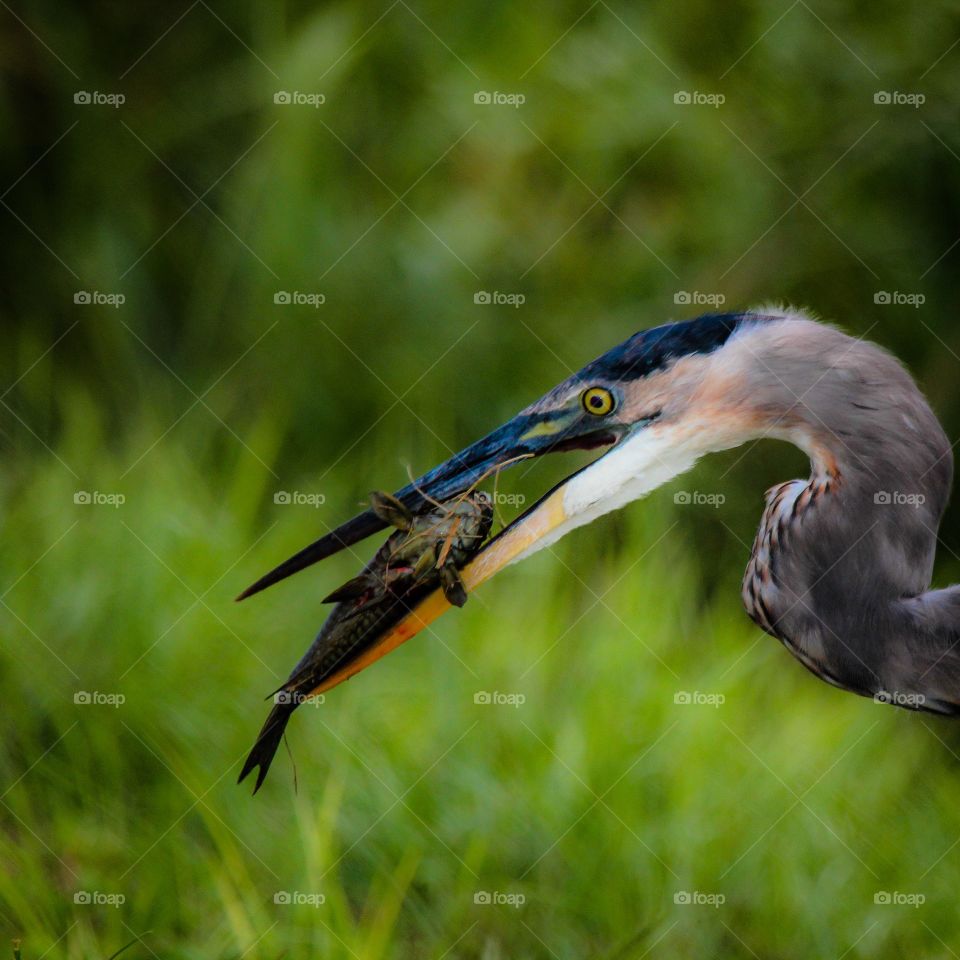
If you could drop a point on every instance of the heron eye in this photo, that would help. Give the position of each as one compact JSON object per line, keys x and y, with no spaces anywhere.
{"x":598,"y":401}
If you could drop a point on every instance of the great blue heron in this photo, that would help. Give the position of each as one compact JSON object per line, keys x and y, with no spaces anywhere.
{"x":842,"y":564}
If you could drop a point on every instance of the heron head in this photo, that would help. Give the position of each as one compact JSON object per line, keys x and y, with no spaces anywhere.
{"x":655,"y":403}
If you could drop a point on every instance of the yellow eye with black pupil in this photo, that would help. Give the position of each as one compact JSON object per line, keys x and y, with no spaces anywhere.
{"x":597,"y":401}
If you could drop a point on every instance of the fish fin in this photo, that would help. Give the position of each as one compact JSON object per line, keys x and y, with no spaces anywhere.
{"x":426,"y":563}
{"x":352,"y":589}
{"x":390,"y":510}
{"x":453,"y":588}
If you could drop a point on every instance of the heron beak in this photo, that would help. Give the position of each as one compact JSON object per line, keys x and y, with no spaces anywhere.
{"x":529,"y":434}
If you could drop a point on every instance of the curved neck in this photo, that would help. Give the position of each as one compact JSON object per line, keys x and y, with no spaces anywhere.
{"x":847,"y":403}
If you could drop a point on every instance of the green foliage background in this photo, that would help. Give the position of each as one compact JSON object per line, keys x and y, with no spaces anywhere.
{"x":600,"y":200}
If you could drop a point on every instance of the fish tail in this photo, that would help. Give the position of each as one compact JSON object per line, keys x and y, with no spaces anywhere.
{"x":268,"y":740}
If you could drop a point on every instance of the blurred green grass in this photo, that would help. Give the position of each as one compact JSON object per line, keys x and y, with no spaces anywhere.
{"x":600,"y":799}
